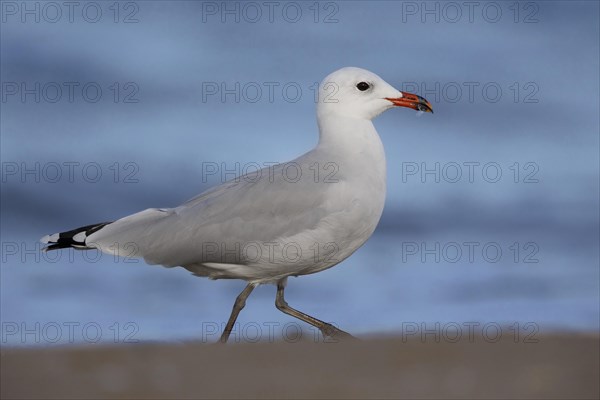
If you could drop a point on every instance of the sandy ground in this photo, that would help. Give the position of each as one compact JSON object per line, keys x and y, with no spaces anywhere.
{"x":557,"y":366}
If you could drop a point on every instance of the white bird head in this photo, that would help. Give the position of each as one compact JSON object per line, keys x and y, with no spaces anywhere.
{"x":358,"y":93}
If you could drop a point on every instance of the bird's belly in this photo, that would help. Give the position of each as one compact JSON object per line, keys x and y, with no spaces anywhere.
{"x":333,"y":240}
{"x":346,"y":233}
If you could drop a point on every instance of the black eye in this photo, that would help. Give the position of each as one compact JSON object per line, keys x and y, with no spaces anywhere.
{"x":362,"y":86}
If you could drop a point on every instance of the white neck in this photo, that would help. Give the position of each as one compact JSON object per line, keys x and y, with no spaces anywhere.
{"x":354,"y":144}
{"x":346,"y":134}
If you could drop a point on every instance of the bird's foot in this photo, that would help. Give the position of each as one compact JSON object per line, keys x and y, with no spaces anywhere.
{"x":331,"y":334}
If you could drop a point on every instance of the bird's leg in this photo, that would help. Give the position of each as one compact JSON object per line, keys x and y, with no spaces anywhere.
{"x":240,"y":302}
{"x":328,"y":330}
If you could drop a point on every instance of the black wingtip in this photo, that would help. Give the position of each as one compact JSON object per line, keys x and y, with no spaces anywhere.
{"x":56,"y":246}
{"x":65,"y":239}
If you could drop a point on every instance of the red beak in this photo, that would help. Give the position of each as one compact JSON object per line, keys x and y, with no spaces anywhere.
{"x":413,"y":101}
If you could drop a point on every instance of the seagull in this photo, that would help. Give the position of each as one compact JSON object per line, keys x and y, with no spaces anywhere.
{"x":288,"y":219}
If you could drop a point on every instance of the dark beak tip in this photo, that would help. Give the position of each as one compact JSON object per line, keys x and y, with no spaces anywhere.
{"x":424,"y":107}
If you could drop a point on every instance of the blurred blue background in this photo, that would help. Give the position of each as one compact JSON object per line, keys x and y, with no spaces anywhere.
{"x":532,"y":115}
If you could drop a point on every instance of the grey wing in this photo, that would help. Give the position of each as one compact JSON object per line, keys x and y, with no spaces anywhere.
{"x":231,"y":214}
